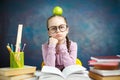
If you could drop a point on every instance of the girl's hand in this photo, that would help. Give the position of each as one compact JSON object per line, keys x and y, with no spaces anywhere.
{"x":53,"y":41}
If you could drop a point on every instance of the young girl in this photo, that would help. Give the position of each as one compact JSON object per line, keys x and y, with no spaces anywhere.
{"x":59,"y":51}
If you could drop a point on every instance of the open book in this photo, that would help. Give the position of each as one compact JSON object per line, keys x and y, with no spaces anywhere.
{"x":73,"y":72}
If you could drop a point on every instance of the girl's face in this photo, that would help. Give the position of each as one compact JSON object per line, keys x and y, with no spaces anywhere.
{"x":57,"y":28}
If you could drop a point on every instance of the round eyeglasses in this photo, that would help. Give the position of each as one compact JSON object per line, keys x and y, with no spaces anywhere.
{"x":62,"y":28}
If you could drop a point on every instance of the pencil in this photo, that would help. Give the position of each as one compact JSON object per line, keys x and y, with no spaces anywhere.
{"x":9,"y":49}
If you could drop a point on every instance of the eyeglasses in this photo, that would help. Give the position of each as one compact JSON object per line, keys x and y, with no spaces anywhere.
{"x":53,"y":29}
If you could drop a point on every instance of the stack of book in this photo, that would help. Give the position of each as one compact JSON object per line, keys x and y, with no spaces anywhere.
{"x":17,"y":73}
{"x":105,"y":67}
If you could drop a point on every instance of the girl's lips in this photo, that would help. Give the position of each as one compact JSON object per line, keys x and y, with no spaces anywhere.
{"x":59,"y":35}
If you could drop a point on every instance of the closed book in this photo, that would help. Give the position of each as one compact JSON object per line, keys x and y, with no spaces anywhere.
{"x":105,"y":72}
{"x":18,"y":77}
{"x":17,"y":71}
{"x":99,"y":77}
{"x":32,"y":78}
{"x":104,"y":65}
{"x":106,"y":58}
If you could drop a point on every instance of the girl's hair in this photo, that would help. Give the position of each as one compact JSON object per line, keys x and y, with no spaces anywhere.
{"x":67,"y":39}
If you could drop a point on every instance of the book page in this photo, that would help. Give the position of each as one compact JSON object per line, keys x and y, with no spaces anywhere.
{"x":49,"y":76}
{"x":73,"y":72}
{"x":78,"y":77}
{"x":51,"y":70}
{"x":73,"y":69}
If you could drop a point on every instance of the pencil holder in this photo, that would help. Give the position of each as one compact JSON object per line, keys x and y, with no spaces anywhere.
{"x":16,"y":59}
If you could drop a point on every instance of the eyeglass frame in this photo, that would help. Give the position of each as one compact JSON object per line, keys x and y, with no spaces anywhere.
{"x":58,"y":27}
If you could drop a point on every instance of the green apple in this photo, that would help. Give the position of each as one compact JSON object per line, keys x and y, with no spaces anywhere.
{"x":57,"y":10}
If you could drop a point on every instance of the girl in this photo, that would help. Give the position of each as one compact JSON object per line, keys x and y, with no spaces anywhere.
{"x":59,"y":51}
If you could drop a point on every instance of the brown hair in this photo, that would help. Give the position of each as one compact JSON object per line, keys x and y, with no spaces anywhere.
{"x":67,"y":39}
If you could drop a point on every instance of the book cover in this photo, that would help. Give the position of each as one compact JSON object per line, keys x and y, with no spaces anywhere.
{"x":104,"y":65}
{"x":105,"y":72}
{"x":17,"y":71}
{"x":99,"y":77}
{"x":32,"y":78}
{"x":18,"y":77}
{"x":73,"y":72}
{"x":106,"y":58}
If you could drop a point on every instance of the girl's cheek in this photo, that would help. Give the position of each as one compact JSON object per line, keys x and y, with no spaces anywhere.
{"x":53,"y":36}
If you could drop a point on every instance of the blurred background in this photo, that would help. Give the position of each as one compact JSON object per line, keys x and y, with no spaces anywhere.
{"x":94,"y":25}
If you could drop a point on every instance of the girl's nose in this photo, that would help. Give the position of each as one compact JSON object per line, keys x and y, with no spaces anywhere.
{"x":57,"y":30}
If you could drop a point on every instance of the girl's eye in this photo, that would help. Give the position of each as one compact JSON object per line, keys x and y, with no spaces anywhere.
{"x":53,"y":28}
{"x":62,"y":27}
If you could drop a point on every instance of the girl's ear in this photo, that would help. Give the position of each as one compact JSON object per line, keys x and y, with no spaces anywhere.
{"x":67,"y":30}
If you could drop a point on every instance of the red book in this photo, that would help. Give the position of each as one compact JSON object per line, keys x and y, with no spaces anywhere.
{"x":105,"y":62}
{"x":94,"y":62}
{"x":106,"y":58}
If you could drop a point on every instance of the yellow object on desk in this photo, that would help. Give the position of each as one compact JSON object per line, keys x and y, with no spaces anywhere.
{"x":16,"y":59}
{"x":78,"y":62}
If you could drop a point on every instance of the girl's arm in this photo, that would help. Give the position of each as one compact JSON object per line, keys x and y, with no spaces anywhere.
{"x":69,"y":58}
{"x":48,"y":52}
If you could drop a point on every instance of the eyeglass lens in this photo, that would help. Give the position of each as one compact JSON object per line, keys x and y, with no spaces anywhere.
{"x":62,"y":28}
